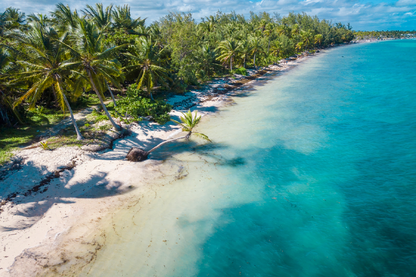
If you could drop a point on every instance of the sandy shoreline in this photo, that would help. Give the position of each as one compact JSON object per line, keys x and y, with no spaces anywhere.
{"x":56,"y":228}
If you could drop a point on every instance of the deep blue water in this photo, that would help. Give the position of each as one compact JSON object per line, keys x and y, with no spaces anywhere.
{"x":312,"y":173}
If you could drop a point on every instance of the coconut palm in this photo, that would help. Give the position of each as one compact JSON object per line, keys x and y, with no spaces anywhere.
{"x":144,"y":62}
{"x":207,"y":58}
{"x":245,"y":50}
{"x":15,"y":18}
{"x":188,"y":122}
{"x":64,"y":19}
{"x":295,"y":30}
{"x":101,"y":17}
{"x":3,"y":22}
{"x":299,"y":46}
{"x":5,"y":100}
{"x":44,"y":60}
{"x":11,"y":19}
{"x":257,"y":48}
{"x":228,"y":49}
{"x":40,"y":19}
{"x":91,"y":56}
{"x":318,"y":39}
{"x":123,"y":20}
{"x":276,"y":48}
{"x":307,"y":38}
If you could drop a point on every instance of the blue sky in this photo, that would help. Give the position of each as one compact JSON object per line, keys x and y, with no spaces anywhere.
{"x":363,"y":15}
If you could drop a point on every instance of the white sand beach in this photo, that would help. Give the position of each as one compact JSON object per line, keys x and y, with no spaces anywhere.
{"x":59,"y":200}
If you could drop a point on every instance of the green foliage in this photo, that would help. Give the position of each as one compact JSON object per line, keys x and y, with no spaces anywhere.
{"x":12,"y":138}
{"x":43,"y":116}
{"x":138,"y":106}
{"x":54,"y":60}
{"x":98,"y":116}
{"x":241,"y":71}
{"x":44,"y":145}
{"x":383,"y":34}
{"x":188,"y":123}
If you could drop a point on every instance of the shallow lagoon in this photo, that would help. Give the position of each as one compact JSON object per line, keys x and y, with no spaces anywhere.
{"x":310,"y":174}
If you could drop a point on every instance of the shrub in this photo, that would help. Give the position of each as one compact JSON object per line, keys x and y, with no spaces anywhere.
{"x":136,"y":106}
{"x":241,"y":71}
{"x":97,"y":116}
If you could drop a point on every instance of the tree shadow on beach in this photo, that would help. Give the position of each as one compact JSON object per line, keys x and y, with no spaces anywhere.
{"x":28,"y":207}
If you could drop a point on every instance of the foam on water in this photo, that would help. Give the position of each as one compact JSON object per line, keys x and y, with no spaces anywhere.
{"x":311,"y":174}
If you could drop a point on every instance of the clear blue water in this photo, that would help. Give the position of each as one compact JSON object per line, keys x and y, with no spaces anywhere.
{"x":311,"y":174}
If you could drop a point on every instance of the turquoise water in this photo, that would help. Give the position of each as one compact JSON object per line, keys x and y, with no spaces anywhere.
{"x":311,"y":174}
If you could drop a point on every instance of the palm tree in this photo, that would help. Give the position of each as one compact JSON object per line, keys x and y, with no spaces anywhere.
{"x":307,"y":38}
{"x":11,"y":19}
{"x":208,"y":60}
{"x":64,"y":19}
{"x":299,"y":46}
{"x":40,"y":19}
{"x":295,"y":30}
{"x":101,"y":17}
{"x":287,"y":45}
{"x":144,"y":62}
{"x":123,"y":20}
{"x":228,"y":49}
{"x":93,"y":57}
{"x":188,"y":122}
{"x":257,"y":48}
{"x":45,"y":66}
{"x":245,"y":50}
{"x":318,"y":39}
{"x":5,"y":100}
{"x":3,"y":22}
{"x":276,"y":48}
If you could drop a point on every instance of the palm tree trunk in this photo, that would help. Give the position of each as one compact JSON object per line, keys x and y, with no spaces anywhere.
{"x":4,"y":114}
{"x":7,"y":103}
{"x":111,"y":93}
{"x":170,"y":140}
{"x":150,"y":92}
{"x":255,"y":61}
{"x":102,"y":102}
{"x":79,"y":136}
{"x":244,"y":61}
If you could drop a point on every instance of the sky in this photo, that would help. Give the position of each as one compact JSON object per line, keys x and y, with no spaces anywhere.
{"x":362,"y":15}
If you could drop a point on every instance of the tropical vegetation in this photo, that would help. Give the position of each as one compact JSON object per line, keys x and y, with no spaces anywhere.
{"x":63,"y":60}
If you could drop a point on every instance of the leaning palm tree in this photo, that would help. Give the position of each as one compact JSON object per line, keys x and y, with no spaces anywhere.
{"x":144,"y":61}
{"x":228,"y":49}
{"x":92,"y":60}
{"x":44,"y":62}
{"x":188,"y":122}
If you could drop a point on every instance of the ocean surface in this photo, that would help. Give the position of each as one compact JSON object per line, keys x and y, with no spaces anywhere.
{"x":311,"y":173}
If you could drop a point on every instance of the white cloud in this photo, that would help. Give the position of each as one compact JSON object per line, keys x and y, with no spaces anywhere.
{"x":361,"y":14}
